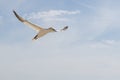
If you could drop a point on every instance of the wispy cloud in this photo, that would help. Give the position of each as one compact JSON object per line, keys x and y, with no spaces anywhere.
{"x":54,"y":15}
{"x":109,"y":42}
{"x":87,"y":5}
{"x":102,"y":20}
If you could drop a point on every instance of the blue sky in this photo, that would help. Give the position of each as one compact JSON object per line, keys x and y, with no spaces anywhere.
{"x":88,"y":50}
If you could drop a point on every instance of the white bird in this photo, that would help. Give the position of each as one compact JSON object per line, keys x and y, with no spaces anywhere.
{"x":41,"y":31}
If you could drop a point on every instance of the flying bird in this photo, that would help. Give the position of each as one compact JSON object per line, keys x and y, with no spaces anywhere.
{"x":41,"y":31}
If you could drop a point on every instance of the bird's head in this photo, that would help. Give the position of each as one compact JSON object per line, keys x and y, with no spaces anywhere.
{"x":52,"y":29}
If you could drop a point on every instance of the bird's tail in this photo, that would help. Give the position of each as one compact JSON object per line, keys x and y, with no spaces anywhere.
{"x":65,"y":28}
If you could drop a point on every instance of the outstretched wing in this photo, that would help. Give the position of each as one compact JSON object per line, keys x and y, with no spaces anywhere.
{"x":33,"y":26}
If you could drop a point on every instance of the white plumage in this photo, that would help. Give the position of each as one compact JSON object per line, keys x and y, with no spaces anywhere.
{"x":41,"y":31}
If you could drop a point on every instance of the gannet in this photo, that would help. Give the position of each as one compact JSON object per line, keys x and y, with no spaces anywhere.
{"x":41,"y":31}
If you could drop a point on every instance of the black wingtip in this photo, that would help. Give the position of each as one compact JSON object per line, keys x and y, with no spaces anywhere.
{"x":20,"y":18}
{"x":14,"y":12}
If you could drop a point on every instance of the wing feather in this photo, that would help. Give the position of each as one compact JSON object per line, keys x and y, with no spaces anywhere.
{"x":33,"y":26}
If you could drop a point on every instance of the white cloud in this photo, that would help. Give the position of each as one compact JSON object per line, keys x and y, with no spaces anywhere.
{"x":109,"y":42}
{"x":54,"y":15}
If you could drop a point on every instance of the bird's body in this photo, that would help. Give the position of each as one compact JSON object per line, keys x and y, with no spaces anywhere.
{"x":41,"y":31}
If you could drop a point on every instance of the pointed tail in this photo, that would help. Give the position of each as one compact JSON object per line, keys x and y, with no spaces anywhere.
{"x":65,"y":28}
